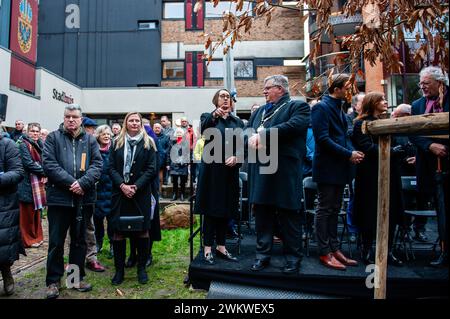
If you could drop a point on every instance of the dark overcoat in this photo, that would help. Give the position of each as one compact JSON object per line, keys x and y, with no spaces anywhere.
{"x":30,"y":167}
{"x":218,"y":184}
{"x":143,"y":170}
{"x":366,"y":182}
{"x":282,"y":188}
{"x":426,"y":162}
{"x":62,"y":159}
{"x":333,"y":148}
{"x":104,"y":187}
{"x":11,"y":174}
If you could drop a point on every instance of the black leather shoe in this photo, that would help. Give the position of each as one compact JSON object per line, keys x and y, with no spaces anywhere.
{"x":182,"y":197}
{"x":226,"y":256}
{"x":174,"y":197}
{"x":420,"y":236}
{"x":260,"y":264}
{"x":394,"y":261}
{"x":209,"y":259}
{"x":442,"y":260}
{"x":291,"y":267}
{"x":142,"y":276}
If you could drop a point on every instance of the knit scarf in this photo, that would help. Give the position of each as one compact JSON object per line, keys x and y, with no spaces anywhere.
{"x":129,"y":151}
{"x":37,"y":187}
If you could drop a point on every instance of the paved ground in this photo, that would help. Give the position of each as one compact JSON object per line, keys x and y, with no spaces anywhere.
{"x":35,"y":256}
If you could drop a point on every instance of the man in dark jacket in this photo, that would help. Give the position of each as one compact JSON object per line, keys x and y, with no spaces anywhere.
{"x":435,"y":99}
{"x":333,"y":157}
{"x":11,"y":173}
{"x":73,"y":164}
{"x":18,"y":131}
{"x":275,"y":195}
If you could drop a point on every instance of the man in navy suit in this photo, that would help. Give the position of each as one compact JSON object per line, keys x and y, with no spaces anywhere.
{"x":435,"y":99}
{"x":332,"y":162}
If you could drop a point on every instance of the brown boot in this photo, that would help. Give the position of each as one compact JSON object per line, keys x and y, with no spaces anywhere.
{"x":8,"y":280}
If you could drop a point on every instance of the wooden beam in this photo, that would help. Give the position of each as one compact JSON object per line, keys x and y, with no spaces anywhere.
{"x":382,"y":247}
{"x":416,"y":124}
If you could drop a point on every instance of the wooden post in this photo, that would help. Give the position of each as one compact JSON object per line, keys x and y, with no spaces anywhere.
{"x":381,"y":255}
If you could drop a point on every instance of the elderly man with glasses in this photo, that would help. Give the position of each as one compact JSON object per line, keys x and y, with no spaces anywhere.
{"x":276,"y":197}
{"x":73,"y":164}
{"x":434,"y":86}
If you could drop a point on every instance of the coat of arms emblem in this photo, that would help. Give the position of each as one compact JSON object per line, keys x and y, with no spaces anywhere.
{"x":24,"y":31}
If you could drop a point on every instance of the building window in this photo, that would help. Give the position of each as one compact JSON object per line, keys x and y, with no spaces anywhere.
{"x":194,"y":20}
{"x":173,"y":10}
{"x":243,"y":69}
{"x":195,"y":67}
{"x":223,"y":6}
{"x":173,"y":70}
{"x":148,"y":25}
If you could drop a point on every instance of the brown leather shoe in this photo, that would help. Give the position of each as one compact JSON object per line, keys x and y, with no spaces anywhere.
{"x":331,"y":262}
{"x":346,"y":261}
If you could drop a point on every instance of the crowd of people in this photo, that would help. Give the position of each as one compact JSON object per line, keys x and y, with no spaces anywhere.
{"x":88,"y":175}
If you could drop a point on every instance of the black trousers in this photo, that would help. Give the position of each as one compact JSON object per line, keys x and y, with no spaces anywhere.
{"x":289,"y":222}
{"x":214,"y":228}
{"x":100,"y":229}
{"x":60,"y":220}
{"x":326,"y":219}
{"x":183,"y":180}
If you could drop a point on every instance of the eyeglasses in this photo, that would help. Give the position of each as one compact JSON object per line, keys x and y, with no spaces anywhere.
{"x":267,"y":88}
{"x":424,"y":84}
{"x":224,"y":96}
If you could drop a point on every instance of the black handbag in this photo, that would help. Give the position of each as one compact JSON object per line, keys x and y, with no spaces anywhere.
{"x":132,"y":223}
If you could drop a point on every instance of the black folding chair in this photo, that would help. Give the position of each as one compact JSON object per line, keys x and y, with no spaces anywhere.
{"x":402,"y":238}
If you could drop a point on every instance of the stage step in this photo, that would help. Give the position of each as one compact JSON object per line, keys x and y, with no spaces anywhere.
{"x":222,"y":290}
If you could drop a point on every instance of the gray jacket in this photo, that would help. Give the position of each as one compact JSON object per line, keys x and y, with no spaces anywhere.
{"x":62,"y":164}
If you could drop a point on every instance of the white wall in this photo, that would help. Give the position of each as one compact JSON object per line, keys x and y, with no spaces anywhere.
{"x":189,"y":102}
{"x":245,"y":49}
{"x":52,"y":110}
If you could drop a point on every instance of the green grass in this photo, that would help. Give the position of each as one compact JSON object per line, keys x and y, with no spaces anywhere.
{"x":166,"y":274}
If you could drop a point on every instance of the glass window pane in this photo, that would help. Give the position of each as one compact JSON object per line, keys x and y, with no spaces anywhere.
{"x":243,"y":69}
{"x":173,"y":10}
{"x":214,"y":69}
{"x":217,"y":12}
{"x":173,"y":70}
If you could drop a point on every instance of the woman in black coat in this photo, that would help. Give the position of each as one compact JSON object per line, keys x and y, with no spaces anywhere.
{"x":132,"y":167}
{"x":366,"y":181}
{"x":11,"y":173}
{"x":103,"y":134}
{"x":218,"y":180}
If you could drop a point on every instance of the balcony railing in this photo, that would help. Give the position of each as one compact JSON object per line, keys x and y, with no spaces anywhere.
{"x":335,"y":20}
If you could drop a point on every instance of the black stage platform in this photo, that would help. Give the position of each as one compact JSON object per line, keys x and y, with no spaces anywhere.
{"x":414,"y":280}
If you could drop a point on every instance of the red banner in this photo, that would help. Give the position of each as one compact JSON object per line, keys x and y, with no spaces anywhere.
{"x":24,"y":22}
{"x":23,"y":75}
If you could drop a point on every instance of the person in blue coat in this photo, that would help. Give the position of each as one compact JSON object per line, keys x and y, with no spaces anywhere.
{"x":332,"y":162}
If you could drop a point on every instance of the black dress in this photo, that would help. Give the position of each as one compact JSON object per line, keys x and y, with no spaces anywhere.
{"x":366,"y":186}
